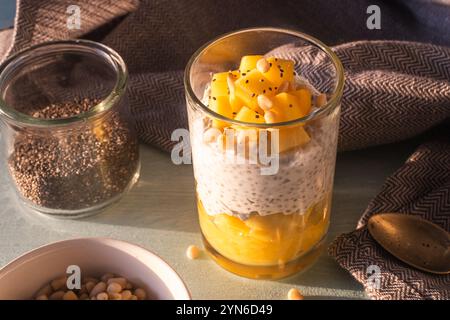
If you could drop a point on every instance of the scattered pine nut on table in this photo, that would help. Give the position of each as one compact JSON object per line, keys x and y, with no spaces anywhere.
{"x":295,"y":294}
{"x":193,"y":252}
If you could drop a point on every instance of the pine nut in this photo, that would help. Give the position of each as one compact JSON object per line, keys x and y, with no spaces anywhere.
{"x":301,"y":86}
{"x":262,"y":65}
{"x":89,"y":286}
{"x":294,"y":294}
{"x":114,"y":296}
{"x":264,"y":102}
{"x":321,"y":100}
{"x":284,"y":87}
{"x":58,"y":295}
{"x":114,"y":288}
{"x":140,"y":294}
{"x":107,"y":276}
{"x":70,"y":295}
{"x":211,"y":135}
{"x":84,"y":296}
{"x":99,"y":287}
{"x":293,"y":86}
{"x":102,"y":296}
{"x":126,"y":294}
{"x":269,"y":117}
{"x":193,"y":252}
{"x":121,"y":281}
{"x":46,"y":290}
{"x":58,"y":283}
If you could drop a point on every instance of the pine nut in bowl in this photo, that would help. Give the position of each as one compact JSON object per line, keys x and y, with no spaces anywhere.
{"x":104,"y":268}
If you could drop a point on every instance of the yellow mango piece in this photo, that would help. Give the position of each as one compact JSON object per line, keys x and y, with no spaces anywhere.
{"x":265,"y":223}
{"x":280,"y":70}
{"x":229,"y":223}
{"x":288,"y":107}
{"x":289,"y":138}
{"x":219,"y":84}
{"x":248,"y":87}
{"x":222,"y":76}
{"x":305,"y":99}
{"x":248,"y":63}
{"x":264,"y":235}
{"x":219,"y":88}
{"x":221,"y":105}
{"x":248,"y":115}
{"x":236,"y":104}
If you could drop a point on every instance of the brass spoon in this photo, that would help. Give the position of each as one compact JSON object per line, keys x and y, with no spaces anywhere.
{"x":413,"y":240}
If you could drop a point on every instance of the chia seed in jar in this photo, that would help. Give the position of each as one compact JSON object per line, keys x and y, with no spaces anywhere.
{"x":75,"y":169}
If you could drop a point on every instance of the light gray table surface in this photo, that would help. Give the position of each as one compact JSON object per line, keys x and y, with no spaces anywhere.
{"x":159,"y":213}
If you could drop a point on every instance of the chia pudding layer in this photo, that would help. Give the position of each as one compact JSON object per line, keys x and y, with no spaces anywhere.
{"x":225,"y":185}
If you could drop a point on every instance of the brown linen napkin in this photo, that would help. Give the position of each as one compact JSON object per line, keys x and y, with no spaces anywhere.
{"x":394,"y":90}
{"x":420,"y":187}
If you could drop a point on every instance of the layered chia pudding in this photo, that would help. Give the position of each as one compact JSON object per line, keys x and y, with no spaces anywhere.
{"x":260,"y":218}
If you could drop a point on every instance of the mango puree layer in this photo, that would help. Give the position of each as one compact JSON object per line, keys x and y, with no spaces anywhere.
{"x":274,"y":239}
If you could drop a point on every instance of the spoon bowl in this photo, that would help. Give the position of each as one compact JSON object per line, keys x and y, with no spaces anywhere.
{"x":413,"y":240}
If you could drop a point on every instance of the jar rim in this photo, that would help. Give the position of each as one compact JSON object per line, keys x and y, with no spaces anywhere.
{"x":115,"y":61}
{"x":332,"y":103}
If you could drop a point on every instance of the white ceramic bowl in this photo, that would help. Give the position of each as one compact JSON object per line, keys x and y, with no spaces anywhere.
{"x":21,"y":278}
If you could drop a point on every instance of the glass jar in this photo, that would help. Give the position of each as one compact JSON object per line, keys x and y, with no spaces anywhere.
{"x":260,"y":218}
{"x":67,"y":139}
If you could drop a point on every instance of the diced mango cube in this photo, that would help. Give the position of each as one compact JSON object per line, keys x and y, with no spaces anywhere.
{"x":222,"y":76}
{"x":280,"y":70}
{"x":219,"y":88}
{"x":289,"y":138}
{"x":248,"y":115}
{"x":248,"y":87}
{"x":288,"y":107}
{"x":219,"y":84}
{"x":236,"y":104}
{"x":248,"y":63}
{"x":221,"y":105}
{"x":305,"y":99}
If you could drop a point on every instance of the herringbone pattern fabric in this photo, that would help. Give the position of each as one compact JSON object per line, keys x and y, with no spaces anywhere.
{"x":394,"y":90}
{"x":421,"y":187}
